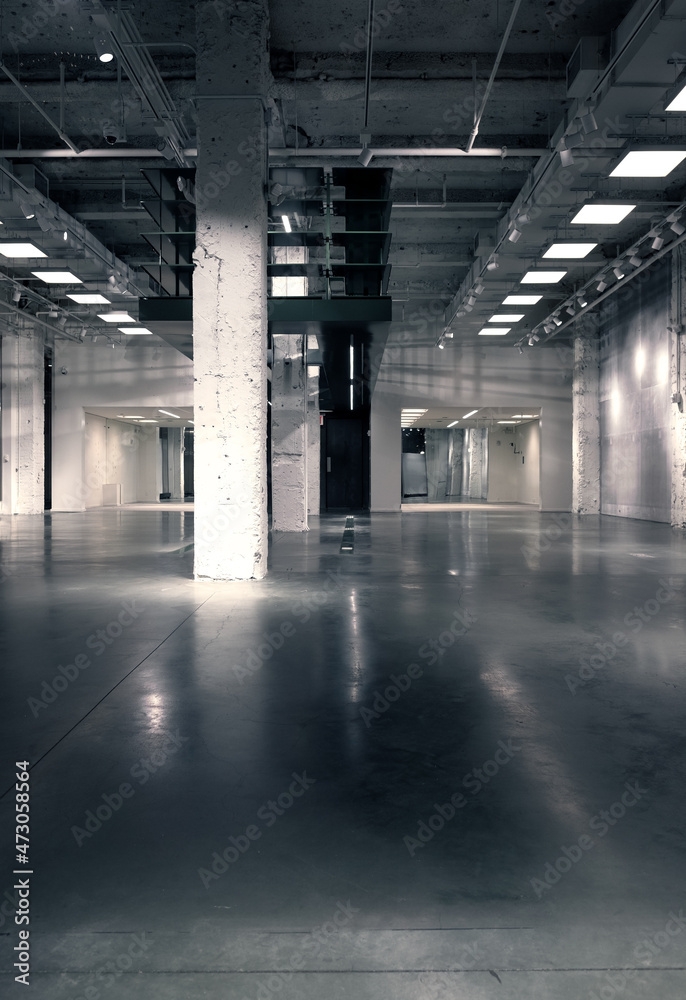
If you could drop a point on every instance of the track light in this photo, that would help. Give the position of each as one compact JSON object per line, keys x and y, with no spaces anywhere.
{"x":571,"y":310}
{"x":523,"y":218}
{"x":531,"y":341}
{"x":103,"y":46}
{"x":635,"y":260}
{"x":515,"y":235}
{"x":471,"y":300}
{"x":573,"y":140}
{"x":566,"y":158}
{"x":677,"y":228}
{"x":519,"y":348}
{"x":441,"y":345}
{"x":588,"y":123}
{"x":602,"y":285}
{"x":493,"y":264}
{"x":365,"y":156}
{"x":27,"y":210}
{"x":478,"y":288}
{"x":557,"y":321}
{"x":582,"y":300}
{"x":467,"y":307}
{"x":16,"y":295}
{"x":44,"y":222}
{"x":618,"y":273}
{"x":657,"y":243}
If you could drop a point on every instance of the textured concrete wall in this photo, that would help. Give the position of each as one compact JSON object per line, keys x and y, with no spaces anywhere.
{"x":478,"y":452}
{"x":30,"y":451}
{"x":635,"y":417}
{"x":313,"y":445}
{"x":586,"y":425}
{"x":289,"y":435}
{"x":230,"y":294}
{"x":677,"y":372}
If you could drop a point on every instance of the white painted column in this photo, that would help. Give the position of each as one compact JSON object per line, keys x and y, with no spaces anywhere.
{"x":23,"y":373}
{"x":313,"y":443}
{"x":289,"y":435}
{"x":476,"y":464}
{"x":230,"y":296}
{"x":586,"y":425}
{"x":677,"y":341}
{"x":175,"y":462}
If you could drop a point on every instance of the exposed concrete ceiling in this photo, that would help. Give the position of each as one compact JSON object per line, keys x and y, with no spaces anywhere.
{"x":450,"y":211}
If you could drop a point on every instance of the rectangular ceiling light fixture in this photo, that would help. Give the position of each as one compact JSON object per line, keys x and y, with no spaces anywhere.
{"x":116,"y":317}
{"x":648,"y":163}
{"x":542,"y":277}
{"x":569,"y":251}
{"x":58,"y":277}
{"x":494,"y":331}
{"x":601,"y":215}
{"x":138,"y":331}
{"x":453,"y":423}
{"x":470,"y":414}
{"x":521,"y":300}
{"x":506,"y":318}
{"x":88,"y":298}
{"x":168,"y":414}
{"x":678,"y":102}
{"x":20,"y":250}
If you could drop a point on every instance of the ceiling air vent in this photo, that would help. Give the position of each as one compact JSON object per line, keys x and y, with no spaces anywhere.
{"x":584,"y":66}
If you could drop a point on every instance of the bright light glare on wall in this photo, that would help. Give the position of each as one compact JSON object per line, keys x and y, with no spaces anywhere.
{"x":662,"y":367}
{"x":639,"y":361}
{"x":616,"y":403}
{"x":601,"y":215}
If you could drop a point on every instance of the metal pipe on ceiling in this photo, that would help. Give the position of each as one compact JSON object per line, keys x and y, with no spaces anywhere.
{"x":496,"y":65}
{"x":368,"y":63}
{"x":278,"y":153}
{"x":24,"y":92}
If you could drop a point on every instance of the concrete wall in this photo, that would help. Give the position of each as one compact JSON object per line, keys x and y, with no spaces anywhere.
{"x":97,"y":375}
{"x":469,"y":375}
{"x":635,"y":409}
{"x":509,"y":478}
{"x":118,"y":452}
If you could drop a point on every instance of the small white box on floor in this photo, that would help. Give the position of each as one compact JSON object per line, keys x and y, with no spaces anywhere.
{"x":111,"y":494}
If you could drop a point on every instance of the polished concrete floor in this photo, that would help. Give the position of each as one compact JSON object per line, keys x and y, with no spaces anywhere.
{"x":448,"y":764}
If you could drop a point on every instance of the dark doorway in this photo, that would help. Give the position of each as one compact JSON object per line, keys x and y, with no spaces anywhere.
{"x":344,"y":454}
{"x":47,"y":431}
{"x":188,"y":441}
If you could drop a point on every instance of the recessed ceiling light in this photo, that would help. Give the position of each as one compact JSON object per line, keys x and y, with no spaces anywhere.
{"x":506,"y":318}
{"x":542,"y":277}
{"x":20,"y":250}
{"x":470,"y":414}
{"x":521,"y":300}
{"x":602,"y":215}
{"x":678,"y":103}
{"x":116,"y":317}
{"x":453,"y":423}
{"x":494,"y":331}
{"x":147,"y":420}
{"x":138,"y":331}
{"x":523,"y":416}
{"x":649,"y":163}
{"x":88,"y":298}
{"x":58,"y":277}
{"x":507,"y":421}
{"x":168,"y":414}
{"x":133,"y":416}
{"x":569,"y":251}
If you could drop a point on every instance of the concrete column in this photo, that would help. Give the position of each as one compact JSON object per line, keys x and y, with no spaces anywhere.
{"x":175,"y":462}
{"x":230,"y":296}
{"x":313,"y":442}
{"x":677,"y":340}
{"x":586,"y":425}
{"x":27,"y":445}
{"x":476,"y":463}
{"x":289,"y":435}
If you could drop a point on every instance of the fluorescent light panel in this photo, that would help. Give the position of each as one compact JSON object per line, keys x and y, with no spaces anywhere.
{"x":602,"y":215}
{"x":494,"y":331}
{"x":678,"y":103}
{"x":506,"y":318}
{"x":116,"y":317}
{"x":139,"y":331}
{"x":88,"y":298}
{"x":57,"y":277}
{"x":569,"y":251}
{"x":20,"y":250}
{"x":542,"y":277}
{"x":521,"y":300}
{"x":453,"y":423}
{"x":168,"y":414}
{"x":649,"y":163}
{"x":470,"y":414}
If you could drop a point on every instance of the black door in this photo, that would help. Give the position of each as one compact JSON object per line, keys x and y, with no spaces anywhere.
{"x":343,"y":463}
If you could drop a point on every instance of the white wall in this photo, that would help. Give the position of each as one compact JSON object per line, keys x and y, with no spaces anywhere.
{"x":528,"y":442}
{"x":474,"y":376}
{"x":143,"y":374}
{"x":119,"y":452}
{"x":509,"y":478}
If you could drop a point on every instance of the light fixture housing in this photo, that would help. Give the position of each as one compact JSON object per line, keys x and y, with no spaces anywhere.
{"x":601,"y":214}
{"x":566,"y":157}
{"x":618,"y":272}
{"x":104,"y":48}
{"x":602,"y":285}
{"x":514,"y":236}
{"x":677,"y":228}
{"x":657,"y":243}
{"x":365,"y":157}
{"x":656,"y":162}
